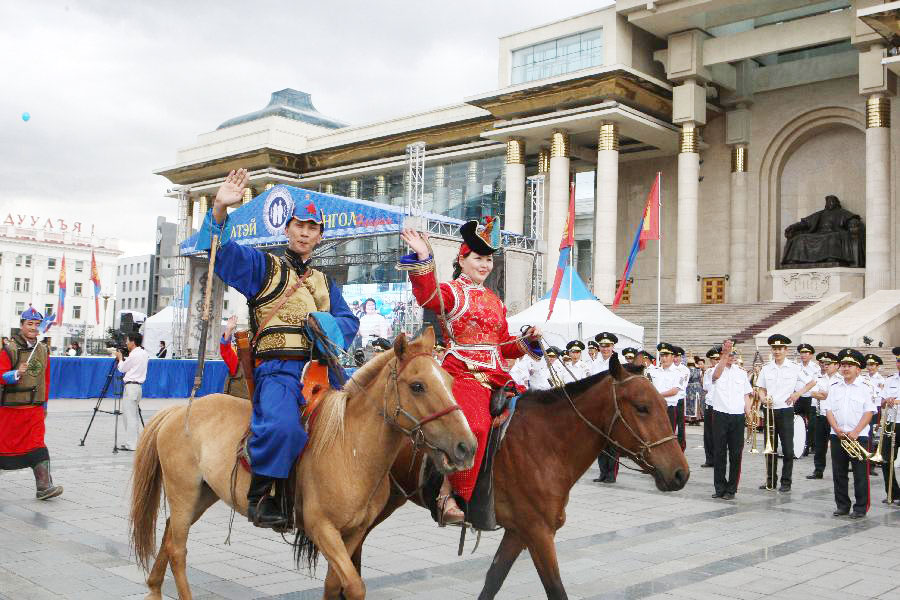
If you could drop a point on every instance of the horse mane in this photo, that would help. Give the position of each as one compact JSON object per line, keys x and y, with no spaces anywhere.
{"x":573,"y":388}
{"x":329,"y":420}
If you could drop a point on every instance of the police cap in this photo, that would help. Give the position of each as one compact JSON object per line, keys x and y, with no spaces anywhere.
{"x":849,"y":356}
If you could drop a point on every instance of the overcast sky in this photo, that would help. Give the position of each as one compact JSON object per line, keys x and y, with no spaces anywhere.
{"x":114,"y":88}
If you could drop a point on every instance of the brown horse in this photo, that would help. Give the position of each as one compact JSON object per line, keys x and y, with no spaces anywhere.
{"x":551,"y":441}
{"x":342,"y":482}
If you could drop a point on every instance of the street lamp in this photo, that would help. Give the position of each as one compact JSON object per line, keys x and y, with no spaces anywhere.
{"x":105,"y":303}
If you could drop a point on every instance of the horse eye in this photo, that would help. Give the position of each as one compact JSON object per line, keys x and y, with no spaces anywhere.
{"x":417,"y":388}
{"x":643,"y":409}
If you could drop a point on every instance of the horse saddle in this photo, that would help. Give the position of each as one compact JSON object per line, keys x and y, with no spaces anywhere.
{"x":315,"y":387}
{"x":479,"y":510}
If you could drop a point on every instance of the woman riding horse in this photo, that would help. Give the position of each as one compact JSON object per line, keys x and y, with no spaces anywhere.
{"x":474,"y":322}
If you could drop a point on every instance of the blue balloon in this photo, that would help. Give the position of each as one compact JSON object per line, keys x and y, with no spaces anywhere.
{"x":385,"y":310}
{"x":25,"y":116}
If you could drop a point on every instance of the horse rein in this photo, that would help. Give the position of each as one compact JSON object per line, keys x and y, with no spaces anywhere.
{"x":415,"y":433}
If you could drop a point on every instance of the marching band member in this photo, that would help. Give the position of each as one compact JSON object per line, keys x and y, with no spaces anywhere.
{"x":709,"y":405}
{"x":784,"y":381}
{"x":876,"y":380}
{"x":593,"y":349}
{"x":890,"y":401}
{"x":679,"y":363}
{"x":630,"y":354}
{"x":577,"y":366}
{"x":24,"y":390}
{"x":478,"y":334}
{"x":804,"y":407}
{"x":733,"y":398}
{"x":849,"y":409}
{"x":605,"y":341}
{"x":819,"y":394}
{"x":670,"y":382}
{"x":281,"y":292}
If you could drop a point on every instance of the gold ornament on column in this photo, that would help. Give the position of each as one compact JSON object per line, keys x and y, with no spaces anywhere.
{"x":440,"y":176}
{"x":687,"y":141}
{"x":543,"y":161}
{"x":878,"y":112}
{"x":202,"y":206}
{"x":248,"y":195}
{"x":269,"y":186}
{"x":354,"y":188}
{"x":739,"y":157}
{"x":328,"y":188}
{"x":515,"y":152}
{"x":380,"y":185}
{"x":559,"y":145}
{"x":609,"y":137}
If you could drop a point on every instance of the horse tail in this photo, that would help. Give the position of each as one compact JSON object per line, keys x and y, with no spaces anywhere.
{"x":146,"y":484}
{"x":305,"y":550}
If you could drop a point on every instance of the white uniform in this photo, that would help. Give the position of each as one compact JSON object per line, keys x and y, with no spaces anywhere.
{"x":731,"y":388}
{"x":521,"y":371}
{"x":848,"y":402}
{"x":666,"y":379}
{"x":686,"y":373}
{"x":578,"y":369}
{"x":600,"y":364}
{"x":539,"y":377}
{"x":709,"y":388}
{"x":782,"y":381}
{"x":891,"y":389}
{"x":877,"y":382}
{"x":823,"y":384}
{"x":812,"y":370}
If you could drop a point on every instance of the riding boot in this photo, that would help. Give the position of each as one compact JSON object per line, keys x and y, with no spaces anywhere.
{"x":44,"y":483}
{"x":264,"y":509}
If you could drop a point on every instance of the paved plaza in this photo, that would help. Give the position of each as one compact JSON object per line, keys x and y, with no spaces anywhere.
{"x":620,"y":541}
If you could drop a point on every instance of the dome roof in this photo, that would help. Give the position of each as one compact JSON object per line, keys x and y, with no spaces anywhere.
{"x":291,"y":104}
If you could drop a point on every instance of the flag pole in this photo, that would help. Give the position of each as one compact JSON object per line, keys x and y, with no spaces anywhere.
{"x":659,"y":260}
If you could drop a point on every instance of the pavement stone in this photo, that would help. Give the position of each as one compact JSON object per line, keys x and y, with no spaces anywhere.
{"x":625,"y":540}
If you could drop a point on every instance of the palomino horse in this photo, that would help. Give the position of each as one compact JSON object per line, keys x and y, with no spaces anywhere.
{"x":553,"y":438}
{"x":342,"y":482}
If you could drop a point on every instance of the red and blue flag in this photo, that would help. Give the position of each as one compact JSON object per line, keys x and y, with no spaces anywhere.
{"x":62,"y":291}
{"x":95,"y":278}
{"x":648,"y":229}
{"x":565,"y":248}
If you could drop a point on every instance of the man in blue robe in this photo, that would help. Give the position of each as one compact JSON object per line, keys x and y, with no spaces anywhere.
{"x":281,"y":292}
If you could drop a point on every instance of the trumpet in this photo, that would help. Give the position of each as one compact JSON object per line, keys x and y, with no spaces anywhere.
{"x":855,"y":449}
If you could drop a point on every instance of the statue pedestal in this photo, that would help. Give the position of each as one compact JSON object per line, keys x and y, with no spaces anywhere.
{"x":789,"y":285}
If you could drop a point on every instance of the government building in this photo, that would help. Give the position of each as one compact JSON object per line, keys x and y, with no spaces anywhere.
{"x":752,"y":112}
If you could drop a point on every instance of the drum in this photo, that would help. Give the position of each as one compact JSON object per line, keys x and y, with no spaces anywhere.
{"x":799,"y":436}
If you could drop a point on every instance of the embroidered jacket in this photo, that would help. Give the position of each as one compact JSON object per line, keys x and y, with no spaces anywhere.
{"x":476,"y":318}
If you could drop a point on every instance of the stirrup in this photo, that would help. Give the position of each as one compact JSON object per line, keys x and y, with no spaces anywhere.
{"x":444,"y":518}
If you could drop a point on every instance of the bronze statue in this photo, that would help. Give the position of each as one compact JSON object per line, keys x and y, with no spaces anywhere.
{"x":833,"y":237}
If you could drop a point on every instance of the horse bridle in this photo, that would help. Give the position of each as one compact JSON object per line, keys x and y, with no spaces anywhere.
{"x":416,"y":433}
{"x":640,"y":457}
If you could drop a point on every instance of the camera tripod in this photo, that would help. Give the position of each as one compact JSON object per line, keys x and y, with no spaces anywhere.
{"x":116,"y":397}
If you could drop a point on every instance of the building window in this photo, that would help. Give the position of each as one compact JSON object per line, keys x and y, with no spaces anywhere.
{"x":18,"y":260}
{"x":129,"y":303}
{"x":713,"y":290}
{"x":20,"y":308}
{"x":48,"y":309}
{"x":131,"y":269}
{"x":27,"y":260}
{"x":225,"y":306}
{"x":26,"y":285}
{"x":145,"y":267}
{"x":556,"y":57}
{"x":144,"y":285}
{"x":76,"y":311}
{"x":51,"y":264}
{"x":123,"y":286}
{"x":130,"y":286}
{"x":143,"y":302}
{"x":118,"y":268}
{"x":78,"y":288}
{"x":17,"y":284}
{"x":51,"y":286}
{"x":1,"y":258}
{"x":626,"y":293}
{"x":79,"y":266}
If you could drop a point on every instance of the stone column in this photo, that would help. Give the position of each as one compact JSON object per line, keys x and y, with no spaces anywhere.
{"x":737,"y":263}
{"x":878,"y":193}
{"x":687,"y":290}
{"x":328,"y":188}
{"x":202,"y":208}
{"x":354,"y":188}
{"x":472,"y":190}
{"x":606,"y":206}
{"x":441,"y":191}
{"x":381,"y":189}
{"x":514,"y":209}
{"x":189,"y":217}
{"x":557,"y":202}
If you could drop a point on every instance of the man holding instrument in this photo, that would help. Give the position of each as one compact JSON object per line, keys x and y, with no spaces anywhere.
{"x":785,"y":382}
{"x":732,"y":408}
{"x":849,"y":411}
{"x":281,"y":292}
{"x":821,"y":429}
{"x":890,"y":401}
{"x":24,"y":390}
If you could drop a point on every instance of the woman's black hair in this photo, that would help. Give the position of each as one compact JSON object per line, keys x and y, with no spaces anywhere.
{"x":457,"y":269}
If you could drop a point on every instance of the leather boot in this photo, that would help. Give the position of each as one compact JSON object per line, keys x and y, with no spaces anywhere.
{"x":264,"y":509}
{"x":44,"y":483}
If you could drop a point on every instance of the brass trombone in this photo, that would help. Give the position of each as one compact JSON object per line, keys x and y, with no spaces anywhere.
{"x":769,"y":451}
{"x":752,"y":423}
{"x":878,"y":457}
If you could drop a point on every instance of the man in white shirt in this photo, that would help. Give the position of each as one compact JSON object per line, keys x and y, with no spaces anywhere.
{"x":819,"y":394}
{"x":803,"y":407}
{"x":606,"y":342}
{"x":849,"y":410}
{"x":680,"y":363}
{"x":134,"y":373}
{"x":669,"y":381}
{"x":713,"y":355}
{"x":890,"y":401}
{"x":784,"y":381}
{"x":548,"y":372}
{"x":732,"y":408}
{"x":576,"y":365}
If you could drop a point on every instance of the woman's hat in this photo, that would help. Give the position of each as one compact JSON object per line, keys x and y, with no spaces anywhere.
{"x":478,"y":238}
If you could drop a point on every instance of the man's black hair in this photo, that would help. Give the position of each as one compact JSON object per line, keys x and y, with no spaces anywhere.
{"x":137,"y":338}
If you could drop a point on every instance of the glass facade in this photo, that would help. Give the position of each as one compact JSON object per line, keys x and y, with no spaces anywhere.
{"x":555,"y":57}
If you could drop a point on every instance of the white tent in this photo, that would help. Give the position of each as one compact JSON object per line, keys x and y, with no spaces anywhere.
{"x":577,"y":314}
{"x":159,"y":328}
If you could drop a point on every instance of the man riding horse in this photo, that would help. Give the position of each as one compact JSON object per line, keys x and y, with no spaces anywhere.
{"x":281,"y":293}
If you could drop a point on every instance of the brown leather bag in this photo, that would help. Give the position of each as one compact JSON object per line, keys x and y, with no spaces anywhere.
{"x":245,"y":358}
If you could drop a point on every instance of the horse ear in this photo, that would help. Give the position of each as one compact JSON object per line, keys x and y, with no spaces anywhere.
{"x":428,"y":336}
{"x":400,"y":345}
{"x":615,"y":369}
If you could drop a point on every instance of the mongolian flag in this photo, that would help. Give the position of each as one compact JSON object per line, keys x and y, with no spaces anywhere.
{"x":565,"y":248}
{"x":95,"y":277}
{"x":648,"y":229}
{"x":62,"y":291}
